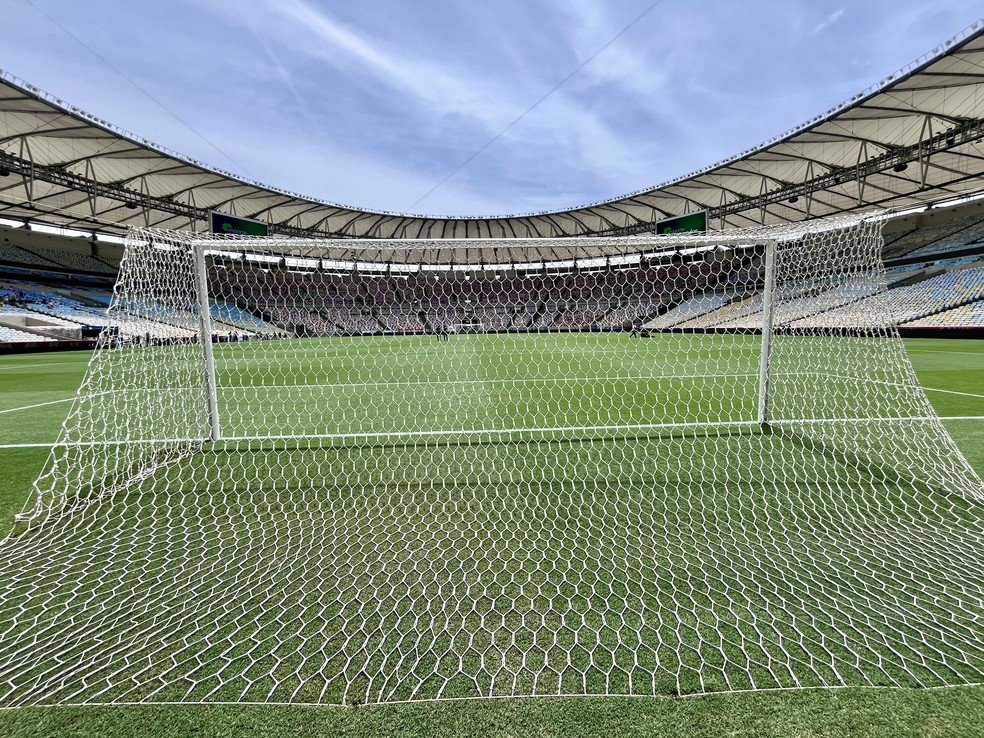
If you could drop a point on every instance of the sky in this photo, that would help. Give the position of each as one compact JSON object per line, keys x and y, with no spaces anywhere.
{"x":460,"y":107}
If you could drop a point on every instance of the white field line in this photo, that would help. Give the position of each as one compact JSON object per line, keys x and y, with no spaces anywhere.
{"x":40,"y":404}
{"x":34,"y":366}
{"x":953,"y":392}
{"x":486,"y":432}
{"x":493,"y":380}
{"x":266,"y":388}
{"x":450,"y":351}
{"x":925,"y":388}
{"x":490,"y":698}
{"x":6,"y":446}
{"x":397,"y":435}
{"x":944,"y":351}
{"x":903,"y":385}
{"x":484,"y":380}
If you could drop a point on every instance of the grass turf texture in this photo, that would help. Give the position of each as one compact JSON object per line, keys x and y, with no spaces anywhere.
{"x":945,"y":368}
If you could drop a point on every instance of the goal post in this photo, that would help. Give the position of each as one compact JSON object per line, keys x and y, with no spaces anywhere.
{"x":651,"y":465}
{"x":205,"y":336}
{"x":768,"y":304}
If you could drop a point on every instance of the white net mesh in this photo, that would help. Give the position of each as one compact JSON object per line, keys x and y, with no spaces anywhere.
{"x":456,"y":469}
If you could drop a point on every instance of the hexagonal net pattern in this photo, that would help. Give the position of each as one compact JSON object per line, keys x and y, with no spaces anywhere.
{"x":641,"y":466}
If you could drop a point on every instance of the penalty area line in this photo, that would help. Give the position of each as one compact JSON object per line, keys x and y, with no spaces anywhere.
{"x":35,"y":366}
{"x":954,"y":392}
{"x":40,"y":404}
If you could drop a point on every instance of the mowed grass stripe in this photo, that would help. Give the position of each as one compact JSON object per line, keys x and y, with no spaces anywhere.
{"x":961,"y":371}
{"x":482,"y":382}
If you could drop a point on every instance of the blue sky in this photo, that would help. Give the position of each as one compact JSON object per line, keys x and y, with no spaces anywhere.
{"x":374,"y":103}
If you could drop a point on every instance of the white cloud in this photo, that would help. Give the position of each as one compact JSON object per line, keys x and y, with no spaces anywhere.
{"x":829,"y":21}
{"x":373,"y":103}
{"x":298,"y":28}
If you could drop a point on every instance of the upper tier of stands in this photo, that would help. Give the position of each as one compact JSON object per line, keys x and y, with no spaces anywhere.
{"x":37,"y":256}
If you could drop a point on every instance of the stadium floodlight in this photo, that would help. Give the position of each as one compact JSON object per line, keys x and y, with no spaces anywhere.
{"x":338,"y":485}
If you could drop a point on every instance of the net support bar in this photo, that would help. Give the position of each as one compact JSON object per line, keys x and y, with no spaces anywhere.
{"x":766,"y":358}
{"x":205,"y":335}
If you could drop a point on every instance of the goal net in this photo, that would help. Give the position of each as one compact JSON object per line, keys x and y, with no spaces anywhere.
{"x":364,"y":471}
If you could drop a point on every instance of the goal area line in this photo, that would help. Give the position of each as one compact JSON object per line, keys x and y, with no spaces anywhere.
{"x":225,"y":389}
{"x":476,"y":435}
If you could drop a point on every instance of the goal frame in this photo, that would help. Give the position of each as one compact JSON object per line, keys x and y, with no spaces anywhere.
{"x":198,"y":248}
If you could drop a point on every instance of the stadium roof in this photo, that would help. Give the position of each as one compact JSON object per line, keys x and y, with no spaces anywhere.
{"x":912,"y":139}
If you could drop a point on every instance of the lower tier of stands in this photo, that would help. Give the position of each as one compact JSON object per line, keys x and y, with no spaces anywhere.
{"x":12,"y":335}
{"x":46,"y":313}
{"x":922,"y":297}
{"x":970,"y":315}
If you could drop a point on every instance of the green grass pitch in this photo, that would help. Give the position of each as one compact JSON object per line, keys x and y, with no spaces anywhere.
{"x":34,"y":394}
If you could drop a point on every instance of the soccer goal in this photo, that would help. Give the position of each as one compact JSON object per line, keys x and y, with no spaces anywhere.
{"x":378,"y":471}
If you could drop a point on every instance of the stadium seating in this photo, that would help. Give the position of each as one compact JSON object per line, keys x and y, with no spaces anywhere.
{"x":956,"y":261}
{"x":225,"y":314}
{"x":73,"y":260}
{"x":970,"y":315}
{"x":12,"y":335}
{"x":938,"y":238}
{"x":688,"y":310}
{"x":938,"y":292}
{"x":907,"y":303}
{"x":403,"y":320}
{"x":17,"y":255}
{"x":87,"y":308}
{"x":804,"y":300}
{"x":726,"y":313}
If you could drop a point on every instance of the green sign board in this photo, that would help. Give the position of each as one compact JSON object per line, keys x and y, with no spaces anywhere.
{"x":230,"y":225}
{"x":684,"y":223}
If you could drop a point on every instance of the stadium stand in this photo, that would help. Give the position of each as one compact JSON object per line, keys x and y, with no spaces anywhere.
{"x":970,"y":315}
{"x":936,"y":237}
{"x":936,"y":285}
{"x":12,"y":254}
{"x":956,"y":261}
{"x":907,"y":303}
{"x":73,"y":260}
{"x":799,"y":302}
{"x":226,"y":314}
{"x":14,"y":336}
{"x":688,"y":310}
{"x":726,"y":313}
{"x":48,"y":309}
{"x":970,"y":231}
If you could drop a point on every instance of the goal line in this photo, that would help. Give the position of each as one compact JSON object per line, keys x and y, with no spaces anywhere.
{"x":478,"y":433}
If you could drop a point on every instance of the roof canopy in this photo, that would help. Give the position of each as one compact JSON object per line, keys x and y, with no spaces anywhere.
{"x":913,"y":139}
